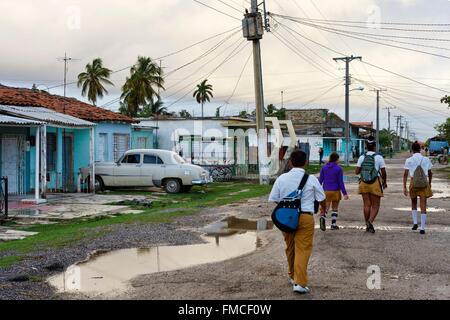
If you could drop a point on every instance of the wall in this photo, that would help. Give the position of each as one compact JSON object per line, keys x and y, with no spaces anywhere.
{"x":142,"y":133}
{"x":110,"y":129}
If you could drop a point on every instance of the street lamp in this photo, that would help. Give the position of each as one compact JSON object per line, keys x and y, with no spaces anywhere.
{"x":360,"y":88}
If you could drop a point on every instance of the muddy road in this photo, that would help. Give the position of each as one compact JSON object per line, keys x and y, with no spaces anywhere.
{"x":412,"y":266}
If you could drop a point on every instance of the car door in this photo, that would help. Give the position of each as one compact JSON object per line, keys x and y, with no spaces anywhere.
{"x":153,"y":169}
{"x":127,"y":172}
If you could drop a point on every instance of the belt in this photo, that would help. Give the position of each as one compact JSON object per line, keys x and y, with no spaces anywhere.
{"x":310,"y":213}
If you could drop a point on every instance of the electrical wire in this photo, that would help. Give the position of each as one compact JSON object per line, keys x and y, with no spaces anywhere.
{"x":217,"y":10}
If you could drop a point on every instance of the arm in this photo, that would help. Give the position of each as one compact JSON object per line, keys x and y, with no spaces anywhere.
{"x":358,"y":165}
{"x":322,"y":177}
{"x":405,"y":179}
{"x":384,"y":177}
{"x":319,"y":195}
{"x":342,"y":184}
{"x":430,"y":177}
{"x":358,"y":170}
{"x":275,"y":194}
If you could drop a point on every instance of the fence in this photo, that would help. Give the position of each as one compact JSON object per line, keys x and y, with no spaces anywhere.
{"x":4,"y":197}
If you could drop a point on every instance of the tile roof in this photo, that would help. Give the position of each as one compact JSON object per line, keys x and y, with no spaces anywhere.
{"x":69,"y":106}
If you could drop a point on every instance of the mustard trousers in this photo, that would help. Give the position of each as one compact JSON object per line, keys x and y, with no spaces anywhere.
{"x":299,"y":247}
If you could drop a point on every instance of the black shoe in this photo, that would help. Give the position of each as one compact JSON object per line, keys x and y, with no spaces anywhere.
{"x":422,"y":231}
{"x":370,"y":227}
{"x":415,"y":227}
{"x":334,"y":227}
{"x":323,"y":226}
{"x":367,"y":226}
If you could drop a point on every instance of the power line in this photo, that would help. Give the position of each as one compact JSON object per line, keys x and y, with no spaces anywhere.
{"x":219,"y":11}
{"x":230,"y":6}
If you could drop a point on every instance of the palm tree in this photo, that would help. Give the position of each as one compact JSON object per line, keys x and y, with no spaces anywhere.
{"x":203,"y":93}
{"x":93,"y":79}
{"x":143,"y":84}
{"x":153,"y":108}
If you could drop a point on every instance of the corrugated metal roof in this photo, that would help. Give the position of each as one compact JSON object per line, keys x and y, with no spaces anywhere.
{"x":46,"y":115}
{"x":4,"y":119}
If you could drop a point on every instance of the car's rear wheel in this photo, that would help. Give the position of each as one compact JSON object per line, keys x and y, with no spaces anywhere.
{"x":172,"y":186}
{"x":99,"y":185}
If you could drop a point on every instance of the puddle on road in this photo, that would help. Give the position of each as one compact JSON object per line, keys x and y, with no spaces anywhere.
{"x":428,"y":209}
{"x":25,"y":213}
{"x":232,"y":225}
{"x":110,"y":273}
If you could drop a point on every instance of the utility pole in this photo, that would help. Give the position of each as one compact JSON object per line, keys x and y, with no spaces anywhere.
{"x":389,"y":116}
{"x":253,"y":29}
{"x":157,"y":115}
{"x":282,"y":99}
{"x":378,"y":117}
{"x":399,"y":120}
{"x":347,"y":103}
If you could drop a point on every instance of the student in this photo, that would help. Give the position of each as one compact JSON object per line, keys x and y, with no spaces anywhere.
{"x":332,"y":179}
{"x":418,"y":176}
{"x":373,"y":179}
{"x":299,"y":245}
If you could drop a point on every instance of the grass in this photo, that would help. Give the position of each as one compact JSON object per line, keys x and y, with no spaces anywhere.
{"x":69,"y":233}
{"x":315,"y":168}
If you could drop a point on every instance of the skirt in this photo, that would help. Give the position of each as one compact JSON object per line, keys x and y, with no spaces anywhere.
{"x":333,"y":196}
{"x":421,"y":193}
{"x":374,"y":188}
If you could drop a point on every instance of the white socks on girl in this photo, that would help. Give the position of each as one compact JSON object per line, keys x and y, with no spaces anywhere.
{"x":423,"y":220}
{"x":414,"y":216}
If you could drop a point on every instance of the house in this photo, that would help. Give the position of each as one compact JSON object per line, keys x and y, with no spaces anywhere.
{"x":69,"y":126}
{"x":323,"y":129}
{"x":214,"y":142}
{"x":33,"y":154}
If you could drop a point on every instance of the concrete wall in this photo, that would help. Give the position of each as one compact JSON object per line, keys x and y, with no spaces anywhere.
{"x":142,"y":133}
{"x":110,"y":129}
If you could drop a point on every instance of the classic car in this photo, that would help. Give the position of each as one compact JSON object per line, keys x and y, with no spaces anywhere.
{"x":148,"y":168}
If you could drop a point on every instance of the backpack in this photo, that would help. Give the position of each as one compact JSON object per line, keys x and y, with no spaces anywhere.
{"x":285,"y":216}
{"x":369,"y":173}
{"x":419,"y":180}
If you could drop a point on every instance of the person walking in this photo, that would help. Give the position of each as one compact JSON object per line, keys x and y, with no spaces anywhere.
{"x":418,"y":170}
{"x":299,"y":244}
{"x":332,"y":180}
{"x":373,"y":179}
{"x":320,"y":156}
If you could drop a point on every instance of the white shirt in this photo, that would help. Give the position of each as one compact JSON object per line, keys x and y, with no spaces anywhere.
{"x":289,"y":182}
{"x":417,"y":159}
{"x":379,"y":161}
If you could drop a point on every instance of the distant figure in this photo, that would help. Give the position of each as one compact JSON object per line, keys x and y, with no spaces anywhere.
{"x":391,"y":152}
{"x":373,"y":179}
{"x":427,"y":152}
{"x":418,"y":168}
{"x":332,"y":180}
{"x":321,"y":156}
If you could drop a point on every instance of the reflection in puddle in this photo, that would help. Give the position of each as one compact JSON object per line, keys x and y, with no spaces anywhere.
{"x":232,"y":225}
{"x":108,"y":273}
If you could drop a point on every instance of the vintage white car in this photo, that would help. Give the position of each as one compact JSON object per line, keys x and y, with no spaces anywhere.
{"x":149,"y":168}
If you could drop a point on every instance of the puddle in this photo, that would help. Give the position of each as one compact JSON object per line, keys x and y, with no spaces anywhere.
{"x":232,"y":225}
{"x":110,"y":273}
{"x":25,"y":213}
{"x":428,"y":209}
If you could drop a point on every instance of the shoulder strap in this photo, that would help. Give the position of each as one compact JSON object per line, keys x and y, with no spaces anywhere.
{"x":303,"y":182}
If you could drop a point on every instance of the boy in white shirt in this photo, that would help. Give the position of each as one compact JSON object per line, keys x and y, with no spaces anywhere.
{"x":423,"y":193}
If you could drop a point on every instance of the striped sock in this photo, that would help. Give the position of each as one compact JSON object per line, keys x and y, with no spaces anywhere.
{"x":334,"y":216}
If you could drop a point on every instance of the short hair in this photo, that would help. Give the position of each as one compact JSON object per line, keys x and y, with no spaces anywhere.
{"x":416,"y":147}
{"x":334,"y":157}
{"x":298,"y":158}
{"x":371,"y":143}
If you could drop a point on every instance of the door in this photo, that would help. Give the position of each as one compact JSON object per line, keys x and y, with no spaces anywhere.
{"x":153,"y":169}
{"x":127,"y":173}
{"x":102,"y":150}
{"x":10,"y":163}
{"x":68,"y":174}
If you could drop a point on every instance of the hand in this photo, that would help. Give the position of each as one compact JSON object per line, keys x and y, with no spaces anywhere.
{"x":346,"y":197}
{"x":385,"y":185}
{"x":405,"y":192}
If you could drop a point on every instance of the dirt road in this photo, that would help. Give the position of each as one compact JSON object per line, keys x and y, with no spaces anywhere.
{"x":412,"y":266}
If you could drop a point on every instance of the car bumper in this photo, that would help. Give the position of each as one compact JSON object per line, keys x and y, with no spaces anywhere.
{"x":201,"y":182}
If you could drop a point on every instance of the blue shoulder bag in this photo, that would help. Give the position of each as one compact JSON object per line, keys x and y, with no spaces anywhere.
{"x":286,"y":214}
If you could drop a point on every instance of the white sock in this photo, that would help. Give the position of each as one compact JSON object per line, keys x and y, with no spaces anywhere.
{"x":423,"y":219}
{"x":414,"y":216}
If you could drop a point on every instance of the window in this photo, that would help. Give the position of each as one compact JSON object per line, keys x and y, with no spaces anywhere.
{"x":51,"y":151}
{"x":150,"y":159}
{"x":142,"y":143}
{"x":132,"y":159}
{"x":121,"y":145}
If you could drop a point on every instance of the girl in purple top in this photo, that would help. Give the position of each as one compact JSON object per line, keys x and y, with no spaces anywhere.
{"x":332,"y":179}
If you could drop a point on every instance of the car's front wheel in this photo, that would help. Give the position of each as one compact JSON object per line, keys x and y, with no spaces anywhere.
{"x":99,"y":185}
{"x":172,"y":186}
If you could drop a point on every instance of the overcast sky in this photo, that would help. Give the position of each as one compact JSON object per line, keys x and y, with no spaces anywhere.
{"x":33,"y":34}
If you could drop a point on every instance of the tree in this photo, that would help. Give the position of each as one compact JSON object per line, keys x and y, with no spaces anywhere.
{"x":203,"y":93}
{"x":153,"y":109}
{"x":141,"y":87}
{"x":244,"y":114}
{"x":92,"y":81}
{"x":444,"y":129}
{"x":272,"y":111}
{"x":446,"y":100}
{"x":386,"y":138}
{"x":185,"y":114}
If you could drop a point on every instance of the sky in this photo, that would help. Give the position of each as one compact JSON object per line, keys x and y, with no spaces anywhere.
{"x":34,"y":34}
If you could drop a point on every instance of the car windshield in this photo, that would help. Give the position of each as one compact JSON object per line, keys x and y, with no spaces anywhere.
{"x":178,"y":159}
